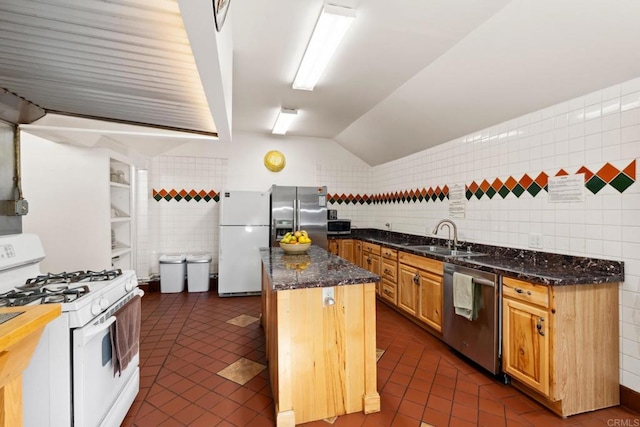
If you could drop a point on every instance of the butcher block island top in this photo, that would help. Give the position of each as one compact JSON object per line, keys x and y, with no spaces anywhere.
{"x":319,"y":317}
{"x":19,"y":335}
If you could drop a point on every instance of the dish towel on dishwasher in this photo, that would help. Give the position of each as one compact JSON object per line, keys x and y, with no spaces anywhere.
{"x":125,"y":335}
{"x":463,"y":295}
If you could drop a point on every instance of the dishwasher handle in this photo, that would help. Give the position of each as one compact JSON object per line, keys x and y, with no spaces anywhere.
{"x":484,"y":282}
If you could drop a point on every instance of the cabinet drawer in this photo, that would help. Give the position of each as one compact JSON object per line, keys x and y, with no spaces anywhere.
{"x":370,"y":248}
{"x":525,"y":291}
{"x":422,"y":263}
{"x":389,"y":253}
{"x":389,"y":270}
{"x":389,"y":291}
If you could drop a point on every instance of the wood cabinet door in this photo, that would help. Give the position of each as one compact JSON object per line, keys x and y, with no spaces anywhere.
{"x":357,"y":253}
{"x":525,"y":344}
{"x":373,"y":264}
{"x":430,"y":304}
{"x":345,"y":250}
{"x":408,"y":289}
{"x":332,"y":246}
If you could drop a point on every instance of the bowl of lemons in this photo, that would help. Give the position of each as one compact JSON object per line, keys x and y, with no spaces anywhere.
{"x":295,"y":243}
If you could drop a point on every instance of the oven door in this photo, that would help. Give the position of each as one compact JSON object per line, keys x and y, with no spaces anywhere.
{"x":101,"y":398}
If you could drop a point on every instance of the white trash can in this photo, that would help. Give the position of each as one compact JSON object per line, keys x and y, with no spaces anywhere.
{"x":172,"y":272}
{"x":198,"y":266}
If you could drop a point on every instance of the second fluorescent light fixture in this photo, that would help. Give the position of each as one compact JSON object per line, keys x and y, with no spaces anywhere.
{"x":284,"y":120}
{"x":329,"y":31}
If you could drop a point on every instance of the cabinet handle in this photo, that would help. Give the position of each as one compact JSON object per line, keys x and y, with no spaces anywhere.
{"x":539,"y":326}
{"x":416,"y":278}
{"x":387,"y":271}
{"x":386,"y":292}
{"x":368,"y":260}
{"x":521,"y":291}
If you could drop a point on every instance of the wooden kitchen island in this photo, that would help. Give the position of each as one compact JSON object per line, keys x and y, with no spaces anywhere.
{"x":319,"y":317}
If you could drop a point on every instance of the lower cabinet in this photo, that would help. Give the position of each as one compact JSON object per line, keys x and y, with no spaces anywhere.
{"x":408,"y":289}
{"x":525,"y":353}
{"x":560,"y":343}
{"x":343,"y":248}
{"x":431,"y":300}
{"x":420,"y":288}
{"x":357,"y":253}
{"x":389,"y":291}
{"x":389,"y":274}
{"x":371,"y":257}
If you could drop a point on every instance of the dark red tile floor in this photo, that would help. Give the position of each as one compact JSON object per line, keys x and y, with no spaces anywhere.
{"x":185,"y":341}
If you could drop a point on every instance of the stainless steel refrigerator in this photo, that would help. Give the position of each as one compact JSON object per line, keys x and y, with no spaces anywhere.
{"x":299,"y":208}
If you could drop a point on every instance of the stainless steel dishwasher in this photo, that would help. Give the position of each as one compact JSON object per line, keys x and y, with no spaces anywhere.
{"x":477,"y":339}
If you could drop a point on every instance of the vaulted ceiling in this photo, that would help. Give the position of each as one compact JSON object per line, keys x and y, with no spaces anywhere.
{"x":409,"y":75}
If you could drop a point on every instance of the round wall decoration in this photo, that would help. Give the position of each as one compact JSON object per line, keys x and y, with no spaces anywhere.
{"x":274,"y":161}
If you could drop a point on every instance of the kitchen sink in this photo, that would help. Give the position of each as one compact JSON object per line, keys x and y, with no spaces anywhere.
{"x":444,"y":251}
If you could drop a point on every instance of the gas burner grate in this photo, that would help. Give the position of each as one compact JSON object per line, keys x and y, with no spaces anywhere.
{"x":37,"y":282}
{"x":52,"y":278}
{"x":43,"y":295}
{"x":97,"y":276}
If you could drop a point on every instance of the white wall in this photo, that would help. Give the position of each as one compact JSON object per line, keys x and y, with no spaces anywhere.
{"x":67,"y":189}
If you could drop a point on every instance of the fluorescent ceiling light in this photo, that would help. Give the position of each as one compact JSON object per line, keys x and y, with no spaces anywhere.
{"x":284,"y":120}
{"x":330,"y":28}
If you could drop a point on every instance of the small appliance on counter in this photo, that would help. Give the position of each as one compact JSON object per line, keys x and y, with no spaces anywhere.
{"x":338,"y":226}
{"x":332,"y":214}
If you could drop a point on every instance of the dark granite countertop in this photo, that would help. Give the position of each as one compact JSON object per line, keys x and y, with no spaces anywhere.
{"x":316,"y":268}
{"x":532,"y":266}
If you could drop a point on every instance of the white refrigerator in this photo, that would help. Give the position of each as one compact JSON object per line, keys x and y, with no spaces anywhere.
{"x":244,"y":228}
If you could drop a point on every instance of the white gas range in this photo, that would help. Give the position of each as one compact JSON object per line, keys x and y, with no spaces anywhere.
{"x":70,"y":380}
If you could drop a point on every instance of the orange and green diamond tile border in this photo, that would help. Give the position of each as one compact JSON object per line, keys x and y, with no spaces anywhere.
{"x":186,"y":195}
{"x":607,"y":174}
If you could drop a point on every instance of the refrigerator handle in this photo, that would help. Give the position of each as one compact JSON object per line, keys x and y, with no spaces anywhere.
{"x":294,"y":226}
{"x":297,"y":216}
{"x":274,"y":232}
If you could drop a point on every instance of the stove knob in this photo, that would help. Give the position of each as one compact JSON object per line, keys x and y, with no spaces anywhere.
{"x":104,"y":303}
{"x":95,"y":309}
{"x":129,"y":286}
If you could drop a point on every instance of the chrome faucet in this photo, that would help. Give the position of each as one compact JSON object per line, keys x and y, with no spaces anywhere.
{"x":450,"y":224}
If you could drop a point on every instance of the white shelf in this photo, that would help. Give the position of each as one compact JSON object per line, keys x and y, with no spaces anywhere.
{"x":121,"y":219}
{"x":118,"y":251}
{"x":121,"y":202}
{"x":118,"y":185}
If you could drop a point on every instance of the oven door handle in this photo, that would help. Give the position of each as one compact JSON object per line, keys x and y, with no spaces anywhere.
{"x":89,"y":332}
{"x":93,"y":330}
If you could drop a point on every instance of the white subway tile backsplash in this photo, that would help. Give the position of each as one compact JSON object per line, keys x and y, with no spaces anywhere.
{"x":593,"y":98}
{"x":593,"y":126}
{"x":184,"y":226}
{"x":610,"y":106}
{"x":630,"y":134}
{"x":630,"y":86}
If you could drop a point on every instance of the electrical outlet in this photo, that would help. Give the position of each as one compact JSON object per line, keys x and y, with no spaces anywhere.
{"x":535,"y":241}
{"x":328,"y":297}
